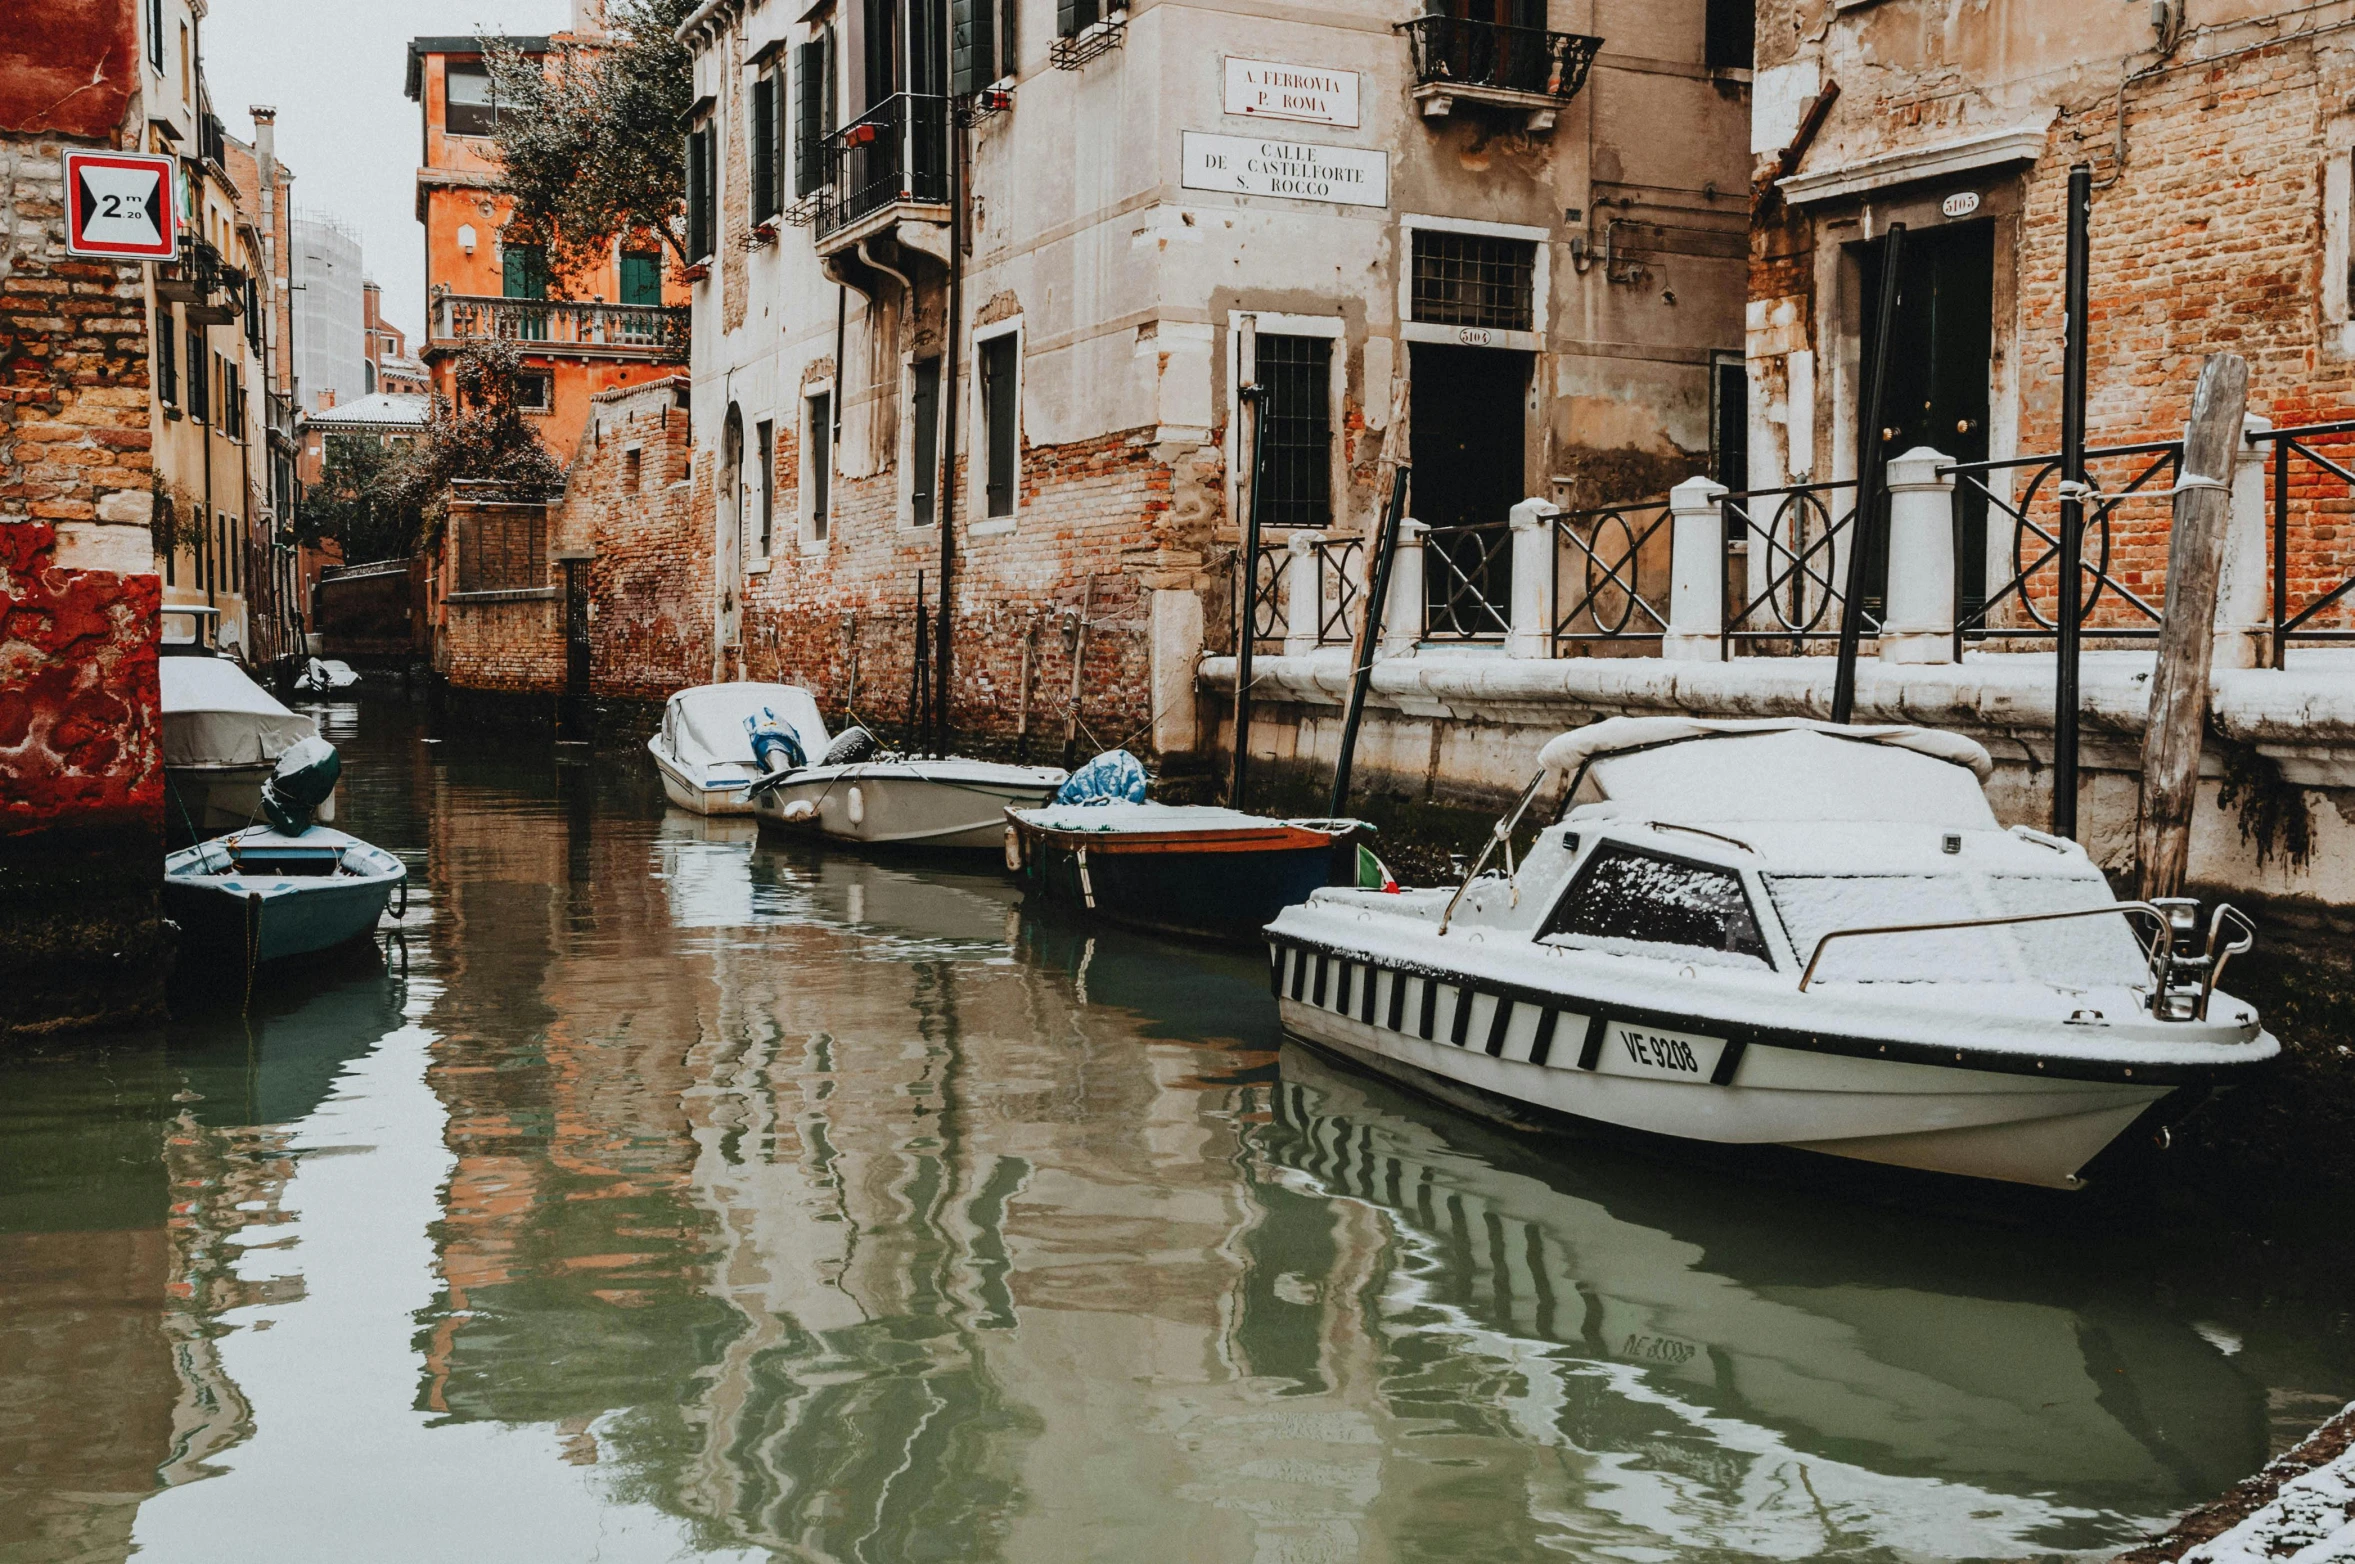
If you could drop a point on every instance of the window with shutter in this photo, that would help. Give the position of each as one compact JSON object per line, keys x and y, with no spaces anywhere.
{"x":167,"y":365}
{"x":809,"y":107}
{"x":155,"y":35}
{"x":699,"y":236}
{"x":972,"y":45}
{"x":764,"y":439}
{"x":764,"y":148}
{"x":1001,"y":406}
{"x":641,"y":277}
{"x":1009,"y":60}
{"x":818,"y":452}
{"x":924,"y":393}
{"x":1073,"y":17}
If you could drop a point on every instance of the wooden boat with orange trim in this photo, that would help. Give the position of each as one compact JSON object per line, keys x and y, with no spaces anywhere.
{"x":1193,"y":870}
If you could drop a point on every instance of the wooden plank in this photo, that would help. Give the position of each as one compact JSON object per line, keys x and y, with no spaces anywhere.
{"x":2187,"y":636}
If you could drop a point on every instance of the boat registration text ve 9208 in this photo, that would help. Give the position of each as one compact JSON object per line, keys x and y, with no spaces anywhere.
{"x":1649,"y":1050}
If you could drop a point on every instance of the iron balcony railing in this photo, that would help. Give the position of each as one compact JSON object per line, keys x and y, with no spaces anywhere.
{"x":897,"y":151}
{"x":1457,"y":51}
{"x":1794,"y":554}
{"x":1601,"y":589}
{"x":1468,"y":582}
{"x":659,"y":329}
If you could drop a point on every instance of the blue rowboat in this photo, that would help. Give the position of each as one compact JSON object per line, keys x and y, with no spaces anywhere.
{"x":259,"y":895}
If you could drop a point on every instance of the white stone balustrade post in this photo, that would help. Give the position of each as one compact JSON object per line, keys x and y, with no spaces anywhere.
{"x":1918,"y":626}
{"x":2244,"y":591}
{"x":1301,"y":598}
{"x":1696,"y":572}
{"x":1531,"y":627}
{"x":1402,"y":615}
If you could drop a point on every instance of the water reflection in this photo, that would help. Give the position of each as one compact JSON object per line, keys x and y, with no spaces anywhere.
{"x":696,"y":1196}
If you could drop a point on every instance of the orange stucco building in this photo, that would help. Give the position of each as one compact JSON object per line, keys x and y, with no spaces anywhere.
{"x":618,"y":324}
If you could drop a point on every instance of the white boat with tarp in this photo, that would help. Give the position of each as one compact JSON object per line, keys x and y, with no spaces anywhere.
{"x":708,"y":750}
{"x":223,"y":735}
{"x":858,"y":792}
{"x":1790,"y":933}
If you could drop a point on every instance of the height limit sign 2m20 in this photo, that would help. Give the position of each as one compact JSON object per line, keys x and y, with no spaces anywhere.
{"x":118,"y":205}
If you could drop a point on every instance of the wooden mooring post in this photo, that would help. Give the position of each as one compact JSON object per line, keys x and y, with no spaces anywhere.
{"x":2187,"y":636}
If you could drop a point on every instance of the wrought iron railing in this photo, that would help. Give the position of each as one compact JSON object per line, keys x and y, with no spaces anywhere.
{"x":1467,"y":582}
{"x":657,"y":328}
{"x":896,"y":151}
{"x":1795,"y":535}
{"x":1601,"y":551}
{"x":2290,"y":447}
{"x":1340,"y":588}
{"x":1268,"y":619}
{"x":2024,"y":606}
{"x":1460,"y":51}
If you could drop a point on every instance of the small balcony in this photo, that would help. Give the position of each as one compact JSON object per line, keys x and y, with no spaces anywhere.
{"x":592,"y":330}
{"x":889,"y":164}
{"x":213,"y":290}
{"x":1524,"y":71}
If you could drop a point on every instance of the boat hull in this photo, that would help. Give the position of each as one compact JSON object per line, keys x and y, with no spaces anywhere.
{"x":216,"y":921}
{"x":700,"y":795}
{"x":206,"y":800}
{"x":1707,"y":1082}
{"x":1182,"y":884}
{"x":903,"y":806}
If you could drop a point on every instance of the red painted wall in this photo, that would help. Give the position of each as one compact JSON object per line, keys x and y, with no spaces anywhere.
{"x":67,"y":67}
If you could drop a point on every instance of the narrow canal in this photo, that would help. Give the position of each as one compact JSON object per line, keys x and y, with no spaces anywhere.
{"x":672,"y":1194}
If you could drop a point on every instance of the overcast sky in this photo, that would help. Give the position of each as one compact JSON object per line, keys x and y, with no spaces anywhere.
{"x":333,"y":69}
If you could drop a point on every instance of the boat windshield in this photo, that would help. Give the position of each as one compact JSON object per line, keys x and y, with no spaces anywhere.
{"x":2076,"y":954}
{"x":1626,"y":899}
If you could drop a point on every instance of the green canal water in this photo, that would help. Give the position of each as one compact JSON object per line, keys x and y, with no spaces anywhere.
{"x":669,"y":1194}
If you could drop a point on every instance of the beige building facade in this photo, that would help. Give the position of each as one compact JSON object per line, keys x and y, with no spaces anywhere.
{"x":1501,"y":243}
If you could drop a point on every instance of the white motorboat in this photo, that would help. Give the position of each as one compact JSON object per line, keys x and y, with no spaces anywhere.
{"x":705,"y":749}
{"x":1785,"y":933}
{"x":904,"y":800}
{"x":223,"y":734}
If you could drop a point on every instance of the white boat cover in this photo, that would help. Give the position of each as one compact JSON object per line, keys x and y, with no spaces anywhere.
{"x":710,"y":718}
{"x":1616,"y":735}
{"x":215,"y":716}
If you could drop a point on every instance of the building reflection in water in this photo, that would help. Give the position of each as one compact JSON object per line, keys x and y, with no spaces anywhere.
{"x":698,"y":1196}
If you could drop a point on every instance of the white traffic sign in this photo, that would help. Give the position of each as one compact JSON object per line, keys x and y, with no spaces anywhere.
{"x":119,"y":205}
{"x":1265,"y":89}
{"x":1296,"y":170}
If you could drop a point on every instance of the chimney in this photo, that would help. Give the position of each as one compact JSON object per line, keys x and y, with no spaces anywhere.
{"x":265,"y":156}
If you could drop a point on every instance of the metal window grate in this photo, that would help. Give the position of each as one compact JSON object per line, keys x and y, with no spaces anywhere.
{"x":1298,"y":375}
{"x":1475,"y":280}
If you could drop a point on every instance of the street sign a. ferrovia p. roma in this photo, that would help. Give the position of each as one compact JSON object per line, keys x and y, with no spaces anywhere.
{"x":119,"y":205}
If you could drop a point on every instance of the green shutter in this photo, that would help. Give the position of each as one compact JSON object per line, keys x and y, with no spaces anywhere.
{"x":764,"y":148}
{"x":808,"y":107}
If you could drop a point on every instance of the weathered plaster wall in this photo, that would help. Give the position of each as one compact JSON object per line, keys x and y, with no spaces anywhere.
{"x":81,"y":780}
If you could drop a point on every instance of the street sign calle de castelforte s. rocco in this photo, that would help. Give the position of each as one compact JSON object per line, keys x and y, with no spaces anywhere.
{"x":119,"y":206}
{"x":1294,"y":170}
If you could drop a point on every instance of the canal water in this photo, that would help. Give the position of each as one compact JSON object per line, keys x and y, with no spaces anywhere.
{"x":670,"y":1194}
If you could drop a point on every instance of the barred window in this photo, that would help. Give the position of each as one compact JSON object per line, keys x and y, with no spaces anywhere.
{"x":1475,"y":280}
{"x":1297,"y":373}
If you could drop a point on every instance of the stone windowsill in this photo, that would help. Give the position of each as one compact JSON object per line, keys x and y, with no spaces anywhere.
{"x":509,"y":595}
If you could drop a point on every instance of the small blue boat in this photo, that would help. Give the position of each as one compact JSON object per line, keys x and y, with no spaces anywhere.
{"x":289,"y":888}
{"x":260,"y":895}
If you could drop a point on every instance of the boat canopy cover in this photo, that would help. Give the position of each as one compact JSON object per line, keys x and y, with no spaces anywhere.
{"x":215,"y":716}
{"x":1680,"y":769}
{"x":1617,"y":735}
{"x":710,"y":718}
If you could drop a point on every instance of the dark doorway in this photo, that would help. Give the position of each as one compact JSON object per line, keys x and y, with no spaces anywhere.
{"x":1467,"y":430}
{"x":1943,"y":338}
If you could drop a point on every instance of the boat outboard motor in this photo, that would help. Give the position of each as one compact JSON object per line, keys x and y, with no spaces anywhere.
{"x":850,"y":746}
{"x":774,"y":748}
{"x":305,"y":776}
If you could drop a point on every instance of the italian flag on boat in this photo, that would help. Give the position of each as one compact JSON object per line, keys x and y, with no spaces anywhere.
{"x":1372,"y":873}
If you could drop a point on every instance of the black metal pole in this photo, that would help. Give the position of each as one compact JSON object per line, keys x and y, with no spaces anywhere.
{"x":1862,"y":531}
{"x":916,"y":675}
{"x":2068,"y":610}
{"x":945,"y":412}
{"x":1377,"y":595}
{"x":1247,"y":623}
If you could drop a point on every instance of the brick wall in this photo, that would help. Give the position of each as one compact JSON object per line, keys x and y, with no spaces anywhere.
{"x":81,"y":776}
{"x":508,"y":636}
{"x":650,"y":584}
{"x":1097,"y":505}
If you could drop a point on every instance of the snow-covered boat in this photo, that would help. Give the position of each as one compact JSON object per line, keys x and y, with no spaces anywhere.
{"x":856,"y":794}
{"x":289,"y":888}
{"x":1785,"y":933}
{"x":223,"y":734}
{"x":705,"y":749}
